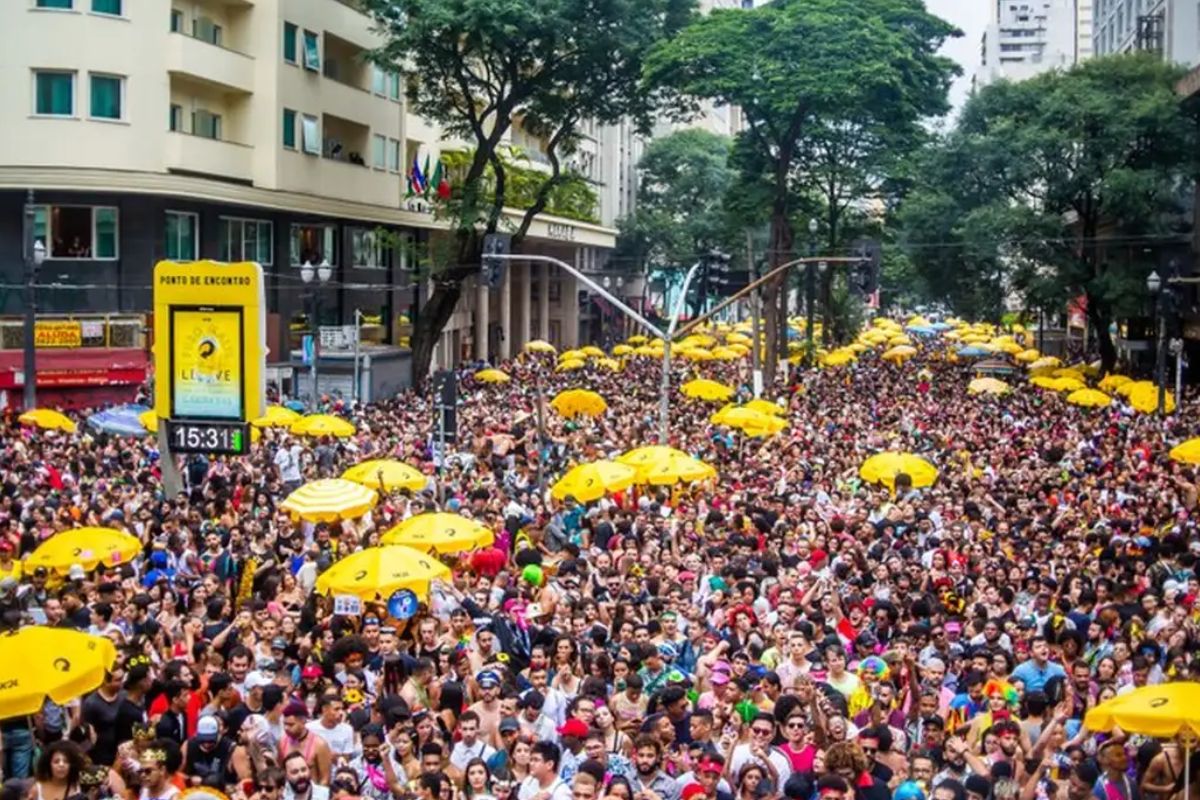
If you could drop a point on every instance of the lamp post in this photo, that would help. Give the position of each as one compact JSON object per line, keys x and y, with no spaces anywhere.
{"x":322,"y":273}
{"x":810,"y":291}
{"x":1154,"y":285}
{"x":35,"y":254}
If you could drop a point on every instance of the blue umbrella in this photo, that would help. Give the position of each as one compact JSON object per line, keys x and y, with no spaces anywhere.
{"x":972,"y":351}
{"x":941,"y":326}
{"x":922,"y":330}
{"x":296,"y":405}
{"x":120,"y":420}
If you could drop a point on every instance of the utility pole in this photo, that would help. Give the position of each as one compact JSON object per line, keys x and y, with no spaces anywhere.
{"x":35,"y":254}
{"x":756,"y":376}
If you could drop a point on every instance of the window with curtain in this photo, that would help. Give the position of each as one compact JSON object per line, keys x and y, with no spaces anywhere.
{"x":368,"y":250}
{"x":312,"y":243}
{"x":181,"y":236}
{"x":379,"y":151}
{"x":310,"y":135}
{"x":246,"y":240}
{"x":107,"y":7}
{"x":289,"y":43}
{"x":106,"y":97}
{"x":289,"y":129}
{"x":312,"y":52}
{"x":54,"y":93}
{"x":67,"y":4}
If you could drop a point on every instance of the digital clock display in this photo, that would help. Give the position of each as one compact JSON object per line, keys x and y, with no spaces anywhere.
{"x":219,"y":438}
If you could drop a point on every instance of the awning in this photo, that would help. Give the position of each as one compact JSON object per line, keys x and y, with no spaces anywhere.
{"x":100,"y":366}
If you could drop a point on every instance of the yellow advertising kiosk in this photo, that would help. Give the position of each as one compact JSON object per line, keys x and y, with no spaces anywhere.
{"x":210,"y":352}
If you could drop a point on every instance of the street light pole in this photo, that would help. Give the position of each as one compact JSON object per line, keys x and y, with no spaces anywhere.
{"x":1154,"y":284}
{"x":810,"y":291}
{"x":665,"y":384}
{"x":322,"y":272}
{"x":35,"y":254}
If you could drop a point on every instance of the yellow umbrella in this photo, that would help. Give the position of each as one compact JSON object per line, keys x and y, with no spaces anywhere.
{"x":1110,"y":383}
{"x":572,"y":355}
{"x":637,"y":339}
{"x":988,"y":386}
{"x":569,"y":364}
{"x":765,"y":407}
{"x":588,"y":482}
{"x":705,"y":389}
{"x":838,"y":358}
{"x":1161,"y":710}
{"x":739,"y":338}
{"x":439,"y":531}
{"x":665,"y":466}
{"x":622,"y":350}
{"x":610,"y":364}
{"x":1187,"y":452}
{"x":1069,"y":372}
{"x":579,"y":402}
{"x":1145,"y":400}
{"x":1010,"y":347}
{"x":1089,"y":398}
{"x":1028,"y":356}
{"x":1046,"y":361}
{"x":377,"y":572}
{"x":747,"y":420}
{"x":386,"y":474}
{"x":884,"y":467}
{"x":37,"y":662}
{"x":329,"y":500}
{"x":1044,"y":382}
{"x":1129,"y":387}
{"x":276,"y":417}
{"x":899,"y":354}
{"x":48,"y":420}
{"x":492,"y":376}
{"x":726,"y":353}
{"x":1069,"y":384}
{"x":88,"y":547}
{"x":149,"y":420}
{"x":539,"y":346}
{"x":646,"y":351}
{"x":697,"y":354}
{"x":591,"y":351}
{"x":322,"y":425}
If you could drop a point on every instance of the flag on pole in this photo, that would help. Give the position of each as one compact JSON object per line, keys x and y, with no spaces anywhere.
{"x":439,"y":182}
{"x":425,"y":176}
{"x":417,"y":178}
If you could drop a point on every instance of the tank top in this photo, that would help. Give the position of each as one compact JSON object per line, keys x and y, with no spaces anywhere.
{"x":287,"y":744}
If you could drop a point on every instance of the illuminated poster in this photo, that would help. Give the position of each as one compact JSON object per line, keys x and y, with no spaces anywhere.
{"x":206,"y":363}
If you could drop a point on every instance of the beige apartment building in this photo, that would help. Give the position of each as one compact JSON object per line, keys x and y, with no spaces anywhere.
{"x":248,"y":129}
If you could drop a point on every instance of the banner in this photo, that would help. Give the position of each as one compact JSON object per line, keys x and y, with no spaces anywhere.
{"x":58,"y":333}
{"x":207,"y":362}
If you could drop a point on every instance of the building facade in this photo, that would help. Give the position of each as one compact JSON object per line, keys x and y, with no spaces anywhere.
{"x":242,"y":129}
{"x":1168,"y":27}
{"x":1028,"y":37}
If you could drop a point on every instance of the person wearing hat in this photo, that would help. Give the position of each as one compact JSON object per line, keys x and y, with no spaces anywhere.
{"x":206,"y":755}
{"x":298,"y":738}
{"x":487,"y":707}
{"x":155,"y":777}
{"x":571,"y":734}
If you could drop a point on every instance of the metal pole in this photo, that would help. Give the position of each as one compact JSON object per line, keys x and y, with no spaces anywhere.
{"x":541,"y":424}
{"x":357,"y":339}
{"x":810,"y":300}
{"x":1160,"y":367}
{"x":664,"y":401}
{"x":755,"y":312}
{"x":316,"y":348}
{"x":29,"y":397}
{"x":1178,"y":371}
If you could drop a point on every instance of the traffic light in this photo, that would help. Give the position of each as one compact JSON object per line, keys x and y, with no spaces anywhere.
{"x":492,"y":269}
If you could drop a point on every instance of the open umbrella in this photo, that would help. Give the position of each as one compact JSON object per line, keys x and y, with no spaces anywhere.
{"x":588,"y":482}
{"x":765,"y":407}
{"x":1110,"y":383}
{"x":1145,"y":399}
{"x":839,"y":358}
{"x":1089,"y":398}
{"x":748,"y":420}
{"x":578,"y":402}
{"x":386,"y":474}
{"x":591,"y":351}
{"x":622,"y":350}
{"x":1046,"y":361}
{"x":974,"y":351}
{"x":993,"y":386}
{"x":899,"y":354}
{"x":440,"y":531}
{"x":149,"y":420}
{"x":884,"y":467}
{"x":539,"y":346}
{"x":666,"y":466}
{"x":1188,"y":452}
{"x":569,"y":364}
{"x":329,"y":500}
{"x":492,"y":376}
{"x":322,"y":425}
{"x":637,"y":339}
{"x":119,"y":421}
{"x":572,"y":355}
{"x":88,"y":547}
{"x":48,"y":420}
{"x":276,"y":417}
{"x":705,"y":389}
{"x":37,"y":662}
{"x":377,"y":572}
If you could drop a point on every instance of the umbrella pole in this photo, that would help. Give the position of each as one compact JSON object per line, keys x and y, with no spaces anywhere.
{"x":1187,"y":769}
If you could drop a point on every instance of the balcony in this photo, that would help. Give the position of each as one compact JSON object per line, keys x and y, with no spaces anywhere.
{"x":342,"y":180}
{"x":216,"y":66}
{"x":204,"y":156}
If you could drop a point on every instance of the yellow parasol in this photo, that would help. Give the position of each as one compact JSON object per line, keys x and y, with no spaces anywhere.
{"x":666,"y":466}
{"x":839,"y":358}
{"x":492,"y":376}
{"x":578,"y":402}
{"x":48,"y":420}
{"x":439,"y":531}
{"x":1145,"y":400}
{"x":993,"y":386}
{"x":1161,"y":710}
{"x":591,"y":351}
{"x":1111,"y":383}
{"x":588,"y":482}
{"x":149,"y":420}
{"x":622,"y":350}
{"x":88,"y":547}
{"x":569,"y":364}
{"x":765,"y":407}
{"x":573,"y":355}
{"x":1027,"y":356}
{"x":1089,"y":398}
{"x":637,"y":339}
{"x":884,"y":467}
{"x":276,"y":417}
{"x":747,"y":420}
{"x":1046,"y":361}
{"x":1187,"y":452}
{"x":329,"y":500}
{"x":899,"y":354}
{"x":539,"y":346}
{"x":705,"y":389}
{"x":610,"y":364}
{"x":37,"y":662}
{"x":386,"y":474}
{"x":322,"y":425}
{"x":377,"y":572}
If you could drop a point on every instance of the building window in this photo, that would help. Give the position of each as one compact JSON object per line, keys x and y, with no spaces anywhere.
{"x":106,"y":99}
{"x":368,"y":250}
{"x":182,"y":236}
{"x":206,"y":124}
{"x":379,"y":79}
{"x":77,"y":232}
{"x":206,"y":30}
{"x":54,"y":93}
{"x":64,"y":4}
{"x":289,"y":43}
{"x":176,"y":120}
{"x":312,"y":244}
{"x":289,"y":129}
{"x":312,"y":52}
{"x":310,"y":135}
{"x":394,"y":155}
{"x":246,"y":240}
{"x":107,"y":7}
{"x":394,"y":85}
{"x":379,"y":151}
{"x":176,"y":21}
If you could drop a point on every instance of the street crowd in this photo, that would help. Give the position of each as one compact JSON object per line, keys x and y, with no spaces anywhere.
{"x":785,"y":631}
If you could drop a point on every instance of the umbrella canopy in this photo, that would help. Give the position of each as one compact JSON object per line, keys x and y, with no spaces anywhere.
{"x":765,"y":407}
{"x":276,"y":417}
{"x":48,"y":420}
{"x":591,"y":351}
{"x":569,"y":364}
{"x":610,"y":364}
{"x":1129,"y":387}
{"x":322,"y":425}
{"x":149,"y":420}
{"x":588,"y":482}
{"x":1187,"y":452}
{"x":637,"y":339}
{"x":119,"y":421}
{"x":386,"y":474}
{"x":579,"y":402}
{"x":705,"y":389}
{"x":899,"y":354}
{"x":539,"y":346}
{"x":1110,"y":383}
{"x":377,"y":572}
{"x":492,"y":376}
{"x":1145,"y":400}
{"x":329,"y":500}
{"x":572,"y":355}
{"x":666,"y":466}
{"x":1029,"y":356}
{"x":88,"y":547}
{"x":974,"y":351}
{"x":1046,"y":361}
{"x":1161,"y":710}
{"x":622,"y":350}
{"x":1089,"y":398}
{"x":748,"y":420}
{"x":884,"y":467}
{"x":439,"y":531}
{"x":993,"y":386}
{"x":839,"y":358}
{"x":37,"y":662}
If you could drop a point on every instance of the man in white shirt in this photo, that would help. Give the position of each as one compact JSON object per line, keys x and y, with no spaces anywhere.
{"x":330,"y":727}
{"x":469,"y":746}
{"x":759,"y":750}
{"x":287,"y":459}
{"x":543,"y":782}
{"x":298,"y":780}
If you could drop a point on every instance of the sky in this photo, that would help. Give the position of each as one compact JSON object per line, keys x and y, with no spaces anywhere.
{"x":971,"y":17}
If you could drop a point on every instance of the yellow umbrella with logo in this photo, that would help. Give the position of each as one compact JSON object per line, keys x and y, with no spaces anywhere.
{"x":276,"y":417}
{"x":386,"y":474}
{"x":322,"y":425}
{"x":492,"y":376}
{"x":441,"y":532}
{"x":588,"y":482}
{"x":705,"y":389}
{"x":90,"y":548}
{"x":48,"y":420}
{"x":37,"y":662}
{"x":884,"y":467}
{"x":578,"y":402}
{"x":665,"y":466}
{"x":375,"y":573}
{"x":329,"y":500}
{"x":539,"y":346}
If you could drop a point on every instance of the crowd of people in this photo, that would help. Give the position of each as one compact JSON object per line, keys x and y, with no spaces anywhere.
{"x":786,"y":631}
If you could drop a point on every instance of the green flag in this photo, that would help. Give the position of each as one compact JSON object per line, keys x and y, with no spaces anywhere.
{"x":425,"y":172}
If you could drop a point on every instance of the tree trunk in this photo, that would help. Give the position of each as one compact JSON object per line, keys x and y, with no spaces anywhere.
{"x":427,"y":327}
{"x":780,"y":249}
{"x":1099,"y":322}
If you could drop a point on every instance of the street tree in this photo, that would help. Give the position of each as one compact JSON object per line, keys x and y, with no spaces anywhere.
{"x":485,"y":65}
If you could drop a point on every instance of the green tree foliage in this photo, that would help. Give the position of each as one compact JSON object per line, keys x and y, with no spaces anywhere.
{"x":796,"y":67}
{"x":483,"y":65}
{"x":572,"y":197}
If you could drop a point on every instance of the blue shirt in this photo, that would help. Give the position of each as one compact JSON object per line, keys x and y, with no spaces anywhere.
{"x":1034,"y":677}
